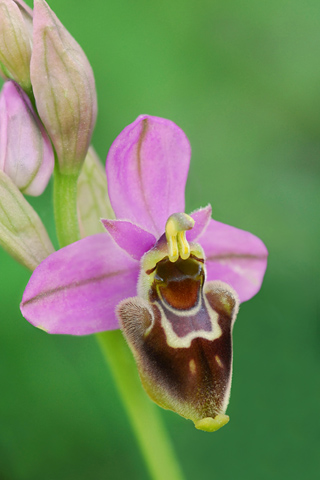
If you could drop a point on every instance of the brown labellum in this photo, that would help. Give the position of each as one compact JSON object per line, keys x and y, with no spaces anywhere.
{"x":180,"y":336}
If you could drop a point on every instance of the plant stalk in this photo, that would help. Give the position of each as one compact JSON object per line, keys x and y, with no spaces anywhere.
{"x":65,"y":207}
{"x":144,"y":415}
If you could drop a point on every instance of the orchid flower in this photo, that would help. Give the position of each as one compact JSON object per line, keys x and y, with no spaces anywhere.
{"x":171,"y":281}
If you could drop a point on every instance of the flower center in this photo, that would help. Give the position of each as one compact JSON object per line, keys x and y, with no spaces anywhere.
{"x":176,"y":227}
{"x":170,"y":264}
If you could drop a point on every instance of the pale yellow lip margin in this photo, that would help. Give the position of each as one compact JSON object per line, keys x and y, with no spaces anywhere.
{"x":210,"y":424}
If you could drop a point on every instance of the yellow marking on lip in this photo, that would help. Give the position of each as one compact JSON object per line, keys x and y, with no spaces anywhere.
{"x":217,"y":359}
{"x":192,"y":366}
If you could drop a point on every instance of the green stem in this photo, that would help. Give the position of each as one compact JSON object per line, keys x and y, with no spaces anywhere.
{"x":65,"y":207}
{"x":143,"y":414}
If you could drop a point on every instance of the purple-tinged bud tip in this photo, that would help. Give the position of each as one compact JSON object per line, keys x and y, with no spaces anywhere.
{"x":24,"y":8}
{"x":27,"y":15}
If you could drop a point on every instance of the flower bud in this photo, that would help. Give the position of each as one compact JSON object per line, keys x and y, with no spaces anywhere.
{"x":93,"y":200}
{"x":26,"y":154}
{"x":64,"y":88}
{"x":22,"y":234}
{"x":15,"y":45}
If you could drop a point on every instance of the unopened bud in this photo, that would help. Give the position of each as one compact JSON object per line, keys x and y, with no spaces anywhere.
{"x":22,"y":234}
{"x":64,"y":88}
{"x":26,"y":154}
{"x":15,"y":45}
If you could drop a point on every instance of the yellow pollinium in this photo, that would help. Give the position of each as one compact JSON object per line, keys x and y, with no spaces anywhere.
{"x":176,"y":227}
{"x":210,"y":424}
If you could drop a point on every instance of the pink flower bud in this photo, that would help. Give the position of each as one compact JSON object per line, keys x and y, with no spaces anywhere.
{"x":26,"y":154}
{"x":64,"y":88}
{"x":15,"y":44}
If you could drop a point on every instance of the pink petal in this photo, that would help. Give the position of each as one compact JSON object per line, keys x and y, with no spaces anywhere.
{"x":147,"y":168}
{"x":234,"y":256}
{"x":76,"y":289}
{"x":202,"y":217}
{"x":131,"y":238}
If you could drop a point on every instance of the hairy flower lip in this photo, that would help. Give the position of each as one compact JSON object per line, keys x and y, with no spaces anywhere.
{"x":181,"y":340}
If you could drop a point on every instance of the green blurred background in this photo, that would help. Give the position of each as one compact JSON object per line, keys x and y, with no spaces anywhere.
{"x":243,"y":81}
